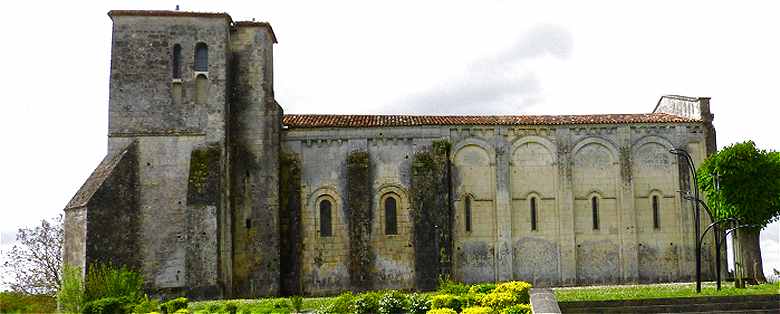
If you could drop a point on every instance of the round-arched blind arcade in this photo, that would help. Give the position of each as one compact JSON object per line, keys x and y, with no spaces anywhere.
{"x":201,"y":57}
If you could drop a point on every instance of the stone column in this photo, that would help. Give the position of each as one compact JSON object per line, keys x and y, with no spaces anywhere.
{"x":567,"y":244}
{"x":627,"y":210}
{"x":503,"y":209}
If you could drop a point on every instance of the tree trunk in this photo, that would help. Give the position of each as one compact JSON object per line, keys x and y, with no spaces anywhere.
{"x":748,"y":268}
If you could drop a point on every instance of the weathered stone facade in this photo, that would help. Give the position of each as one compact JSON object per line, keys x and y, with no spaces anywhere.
{"x":209,"y":190}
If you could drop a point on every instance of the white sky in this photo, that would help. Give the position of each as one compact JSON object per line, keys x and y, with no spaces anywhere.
{"x":481,"y":57}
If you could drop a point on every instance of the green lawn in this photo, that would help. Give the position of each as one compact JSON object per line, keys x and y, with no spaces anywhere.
{"x":673,"y":290}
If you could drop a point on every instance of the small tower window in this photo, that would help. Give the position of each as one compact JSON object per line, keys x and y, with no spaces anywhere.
{"x":594,"y":205}
{"x":326,"y":227}
{"x":391,"y":221}
{"x":467,"y":213}
{"x":201,"y":57}
{"x":656,"y":218}
{"x":176,"y":61}
{"x":533,"y":213}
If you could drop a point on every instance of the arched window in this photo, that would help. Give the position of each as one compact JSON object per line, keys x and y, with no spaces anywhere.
{"x":467,"y":213}
{"x":656,"y":218}
{"x":326,"y":226}
{"x":594,"y":205}
{"x":176,"y":61}
{"x":391,"y":220}
{"x":533,"y":213}
{"x":201,"y":57}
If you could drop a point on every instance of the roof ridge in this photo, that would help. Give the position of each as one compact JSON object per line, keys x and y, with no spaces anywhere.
{"x":353,"y":121}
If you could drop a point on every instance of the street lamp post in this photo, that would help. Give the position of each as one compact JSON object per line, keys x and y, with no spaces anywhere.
{"x":697,"y":212}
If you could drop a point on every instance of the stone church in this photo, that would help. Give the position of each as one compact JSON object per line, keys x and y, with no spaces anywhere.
{"x":209,"y":190}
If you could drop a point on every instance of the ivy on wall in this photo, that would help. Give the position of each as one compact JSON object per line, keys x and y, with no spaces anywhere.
{"x":290,"y":223}
{"x":430,"y":196}
{"x":358,"y":211}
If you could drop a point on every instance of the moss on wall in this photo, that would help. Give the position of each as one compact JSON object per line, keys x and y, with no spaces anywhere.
{"x":204,"y":179}
{"x":291,"y":241}
{"x":431,"y":212}
{"x":358,"y":211}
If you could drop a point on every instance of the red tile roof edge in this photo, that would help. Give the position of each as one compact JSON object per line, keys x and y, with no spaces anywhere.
{"x":358,"y":121}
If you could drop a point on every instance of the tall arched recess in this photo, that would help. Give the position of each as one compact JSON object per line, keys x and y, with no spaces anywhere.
{"x":659,"y":248}
{"x":596,"y":172}
{"x":474,"y":175}
{"x":534,"y":183}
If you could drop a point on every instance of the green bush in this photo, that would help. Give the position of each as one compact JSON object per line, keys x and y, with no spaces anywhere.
{"x":518,"y":309}
{"x":392,"y":302}
{"x":110,"y":305}
{"x":482,"y":288}
{"x":451,"y":287}
{"x":71,"y":293}
{"x":280,"y":304}
{"x":442,"y":311}
{"x":366,"y":303}
{"x":499,"y":300}
{"x":418,"y":304}
{"x":215,"y":307}
{"x":477,"y":310}
{"x":446,"y":301}
{"x":341,"y":304}
{"x":296,"y":303}
{"x":146,"y":305}
{"x":172,"y":306}
{"x":14,"y":302}
{"x":471,"y":299}
{"x":106,"y":281}
{"x":518,"y":288}
{"x":231,"y":307}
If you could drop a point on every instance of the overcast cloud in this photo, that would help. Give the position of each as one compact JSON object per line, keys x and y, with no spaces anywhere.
{"x":499,"y":84}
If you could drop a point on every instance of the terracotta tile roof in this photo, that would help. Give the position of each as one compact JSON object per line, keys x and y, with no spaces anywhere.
{"x":363,"y":121}
{"x":113,"y":13}
{"x":257,"y":24}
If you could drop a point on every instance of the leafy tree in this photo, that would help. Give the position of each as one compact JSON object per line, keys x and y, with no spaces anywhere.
{"x":33,"y":264}
{"x":749,"y":191}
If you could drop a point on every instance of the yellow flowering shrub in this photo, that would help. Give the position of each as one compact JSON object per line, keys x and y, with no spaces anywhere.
{"x":477,"y":310}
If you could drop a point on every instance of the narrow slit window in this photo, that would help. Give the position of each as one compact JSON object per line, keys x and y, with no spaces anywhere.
{"x":176,"y":61}
{"x":201,"y":57}
{"x":533,"y":213}
{"x":656,"y":218}
{"x":391,"y":221}
{"x":594,"y":204}
{"x":326,"y":227}
{"x":467,"y":213}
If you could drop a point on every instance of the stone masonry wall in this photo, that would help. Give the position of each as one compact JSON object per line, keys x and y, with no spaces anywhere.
{"x":562,"y":167}
{"x":254,"y":157}
{"x":161,"y":113}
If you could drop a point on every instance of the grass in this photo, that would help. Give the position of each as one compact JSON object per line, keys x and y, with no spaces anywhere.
{"x":12,"y":302}
{"x":673,"y":290}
